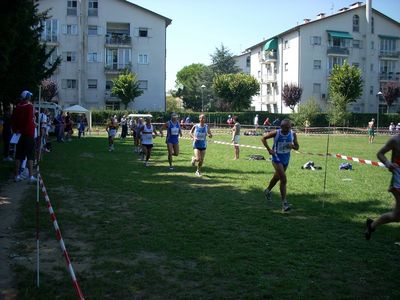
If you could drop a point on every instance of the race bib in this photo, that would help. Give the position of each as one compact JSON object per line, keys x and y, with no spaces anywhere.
{"x":201,"y":136}
{"x":174,"y":131}
{"x":284,"y":147}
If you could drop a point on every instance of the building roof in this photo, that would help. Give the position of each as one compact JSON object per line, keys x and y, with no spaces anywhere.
{"x":341,"y":11}
{"x":167,"y":20}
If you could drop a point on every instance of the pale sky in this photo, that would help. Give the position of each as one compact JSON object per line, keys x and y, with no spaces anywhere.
{"x":199,"y":26}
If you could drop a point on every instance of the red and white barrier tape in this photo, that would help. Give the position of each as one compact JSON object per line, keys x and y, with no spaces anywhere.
{"x":339,"y":156}
{"x":60,"y":239}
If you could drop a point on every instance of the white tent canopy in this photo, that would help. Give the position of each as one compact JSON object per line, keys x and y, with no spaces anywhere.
{"x":77,"y":109}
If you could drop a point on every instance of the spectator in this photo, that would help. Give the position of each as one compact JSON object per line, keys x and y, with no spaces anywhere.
{"x":398,"y":127}
{"x":22,"y":122}
{"x":276,"y":122}
{"x":392,"y":128}
{"x":230,"y":121}
{"x":68,"y":126}
{"x":256,"y":122}
{"x":82,"y":122}
{"x":124,"y":127}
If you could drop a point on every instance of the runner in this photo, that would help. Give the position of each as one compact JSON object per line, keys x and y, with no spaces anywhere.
{"x":146,"y":133}
{"x":236,"y":136}
{"x":371,"y":130}
{"x":111,"y":129}
{"x":284,"y":141}
{"x":136,"y":135}
{"x":172,"y":139}
{"x":394,"y":166}
{"x":199,"y":134}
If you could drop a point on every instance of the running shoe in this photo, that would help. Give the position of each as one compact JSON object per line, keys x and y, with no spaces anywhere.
{"x":7,"y":159}
{"x":18,"y":178}
{"x":198,"y":174}
{"x":286,"y":206}
{"x":32,"y":179}
{"x":146,"y":163}
{"x":369,"y":230}
{"x":268,"y":194}
{"x":171,"y":168}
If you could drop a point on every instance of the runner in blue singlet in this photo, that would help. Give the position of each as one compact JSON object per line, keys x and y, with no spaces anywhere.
{"x":284,"y":141}
{"x":173,"y":133}
{"x":199,"y":134}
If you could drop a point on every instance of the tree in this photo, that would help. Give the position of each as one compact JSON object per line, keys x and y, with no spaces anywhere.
{"x":49,"y":89}
{"x":345,"y":86}
{"x":236,"y":89}
{"x":189,"y":81}
{"x":308,"y":110}
{"x":24,"y":60}
{"x":291,"y":95}
{"x":222,"y":62}
{"x":173,"y":104}
{"x":390,"y":91}
{"x":126,"y":88}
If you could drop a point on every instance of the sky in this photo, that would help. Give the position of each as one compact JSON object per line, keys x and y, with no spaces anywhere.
{"x":200,"y":26}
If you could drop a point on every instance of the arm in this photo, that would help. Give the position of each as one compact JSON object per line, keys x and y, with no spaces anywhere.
{"x":165,"y":126}
{"x":295,"y":145}
{"x":209,"y":132}
{"x":264,"y":139}
{"x":191,"y":132}
{"x":381,"y":154}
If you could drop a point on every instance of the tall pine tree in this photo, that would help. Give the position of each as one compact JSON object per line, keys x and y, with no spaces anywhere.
{"x":22,"y":56}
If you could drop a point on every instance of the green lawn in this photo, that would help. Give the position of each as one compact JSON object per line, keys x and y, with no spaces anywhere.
{"x":140,"y":233}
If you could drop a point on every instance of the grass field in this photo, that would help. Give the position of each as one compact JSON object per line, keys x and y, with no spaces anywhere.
{"x":150,"y":233}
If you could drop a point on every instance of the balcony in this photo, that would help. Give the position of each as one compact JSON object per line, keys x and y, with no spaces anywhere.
{"x":391,"y":54}
{"x":119,"y":40}
{"x":338,"y":51}
{"x":269,"y":77}
{"x":92,"y":12}
{"x":108,"y":95}
{"x":72,"y":11}
{"x":50,"y":40}
{"x":389,"y":76}
{"x":116,"y":68}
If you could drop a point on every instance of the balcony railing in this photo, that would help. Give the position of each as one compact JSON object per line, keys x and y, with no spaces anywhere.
{"x":116,"y":67}
{"x":49,"y":39}
{"x":390,"y":76}
{"x":72,"y":11}
{"x":391,"y":54}
{"x":109,"y":95}
{"x":338,"y":50}
{"x":118,"y":39}
{"x":93,"y":12}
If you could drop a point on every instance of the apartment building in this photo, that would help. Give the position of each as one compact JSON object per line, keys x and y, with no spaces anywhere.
{"x":305,"y":55}
{"x":98,"y":40}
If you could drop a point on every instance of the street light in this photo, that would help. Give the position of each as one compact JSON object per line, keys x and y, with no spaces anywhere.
{"x":202,"y":97}
{"x":379,"y":95}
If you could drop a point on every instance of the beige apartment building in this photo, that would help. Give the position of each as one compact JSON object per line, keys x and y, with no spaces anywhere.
{"x":305,"y":55}
{"x":98,"y":40}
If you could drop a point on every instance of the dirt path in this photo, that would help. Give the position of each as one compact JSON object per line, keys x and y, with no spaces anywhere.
{"x":11,"y":195}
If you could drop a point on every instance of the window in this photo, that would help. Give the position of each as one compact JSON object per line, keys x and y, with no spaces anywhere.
{"x":50,"y":31}
{"x":317,"y":64}
{"x":371,"y":90}
{"x":143,"y":84}
{"x":93,"y":8}
{"x":286,"y":66}
{"x":93,"y":57}
{"x":69,"y":56}
{"x":52,"y":58}
{"x":92,"y":83}
{"x":356,"y":44}
{"x":316,"y":88}
{"x":143,"y":59}
{"x":388,"y":46}
{"x":93,"y":30}
{"x":72,"y":7}
{"x":109,"y":85}
{"x":68,"y":84}
{"x":286,"y":44}
{"x":356,"y":23}
{"x":335,"y":60}
{"x":143,"y":32}
{"x":70,"y":29}
{"x":118,"y":59}
{"x":372,"y":67}
{"x":315,"y":40}
{"x":248,"y":61}
{"x":372,"y":45}
{"x":372,"y":25}
{"x":387,"y":69}
{"x":357,"y":65}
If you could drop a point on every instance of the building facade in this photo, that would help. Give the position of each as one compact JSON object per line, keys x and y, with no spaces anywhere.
{"x":305,"y":55}
{"x":100,"y":39}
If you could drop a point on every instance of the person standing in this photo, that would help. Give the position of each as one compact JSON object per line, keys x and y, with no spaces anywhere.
{"x":146,"y":133}
{"x":236,"y":136}
{"x":371,"y":130}
{"x":284,"y":141}
{"x":23,"y":122}
{"x":199,"y":134}
{"x":124,"y":127}
{"x":393,"y":166}
{"x":173,"y":133}
{"x":256,"y":122}
{"x":111,"y":129}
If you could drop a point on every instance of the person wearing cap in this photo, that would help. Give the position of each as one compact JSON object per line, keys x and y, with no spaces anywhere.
{"x":172,"y":140}
{"x":23,"y":122}
{"x":371,"y":130}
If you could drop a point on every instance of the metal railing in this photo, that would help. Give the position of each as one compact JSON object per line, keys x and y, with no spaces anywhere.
{"x":118,"y":39}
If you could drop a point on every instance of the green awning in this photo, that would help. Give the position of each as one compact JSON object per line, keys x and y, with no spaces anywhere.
{"x":389,"y":37}
{"x":271,"y":44}
{"x":339,"y":34}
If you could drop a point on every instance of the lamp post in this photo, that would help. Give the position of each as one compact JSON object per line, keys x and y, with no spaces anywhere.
{"x":379,"y":95}
{"x":202,"y":97}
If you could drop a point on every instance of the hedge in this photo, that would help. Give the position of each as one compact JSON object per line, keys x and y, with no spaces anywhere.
{"x":246,"y":118}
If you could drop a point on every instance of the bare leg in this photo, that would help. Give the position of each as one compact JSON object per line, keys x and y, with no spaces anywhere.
{"x":30,"y":167}
{"x":202,"y":154}
{"x":393,"y":216}
{"x":236,"y":152}
{"x":17,"y":166}
{"x":279,"y":176}
{"x":170,"y":153}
